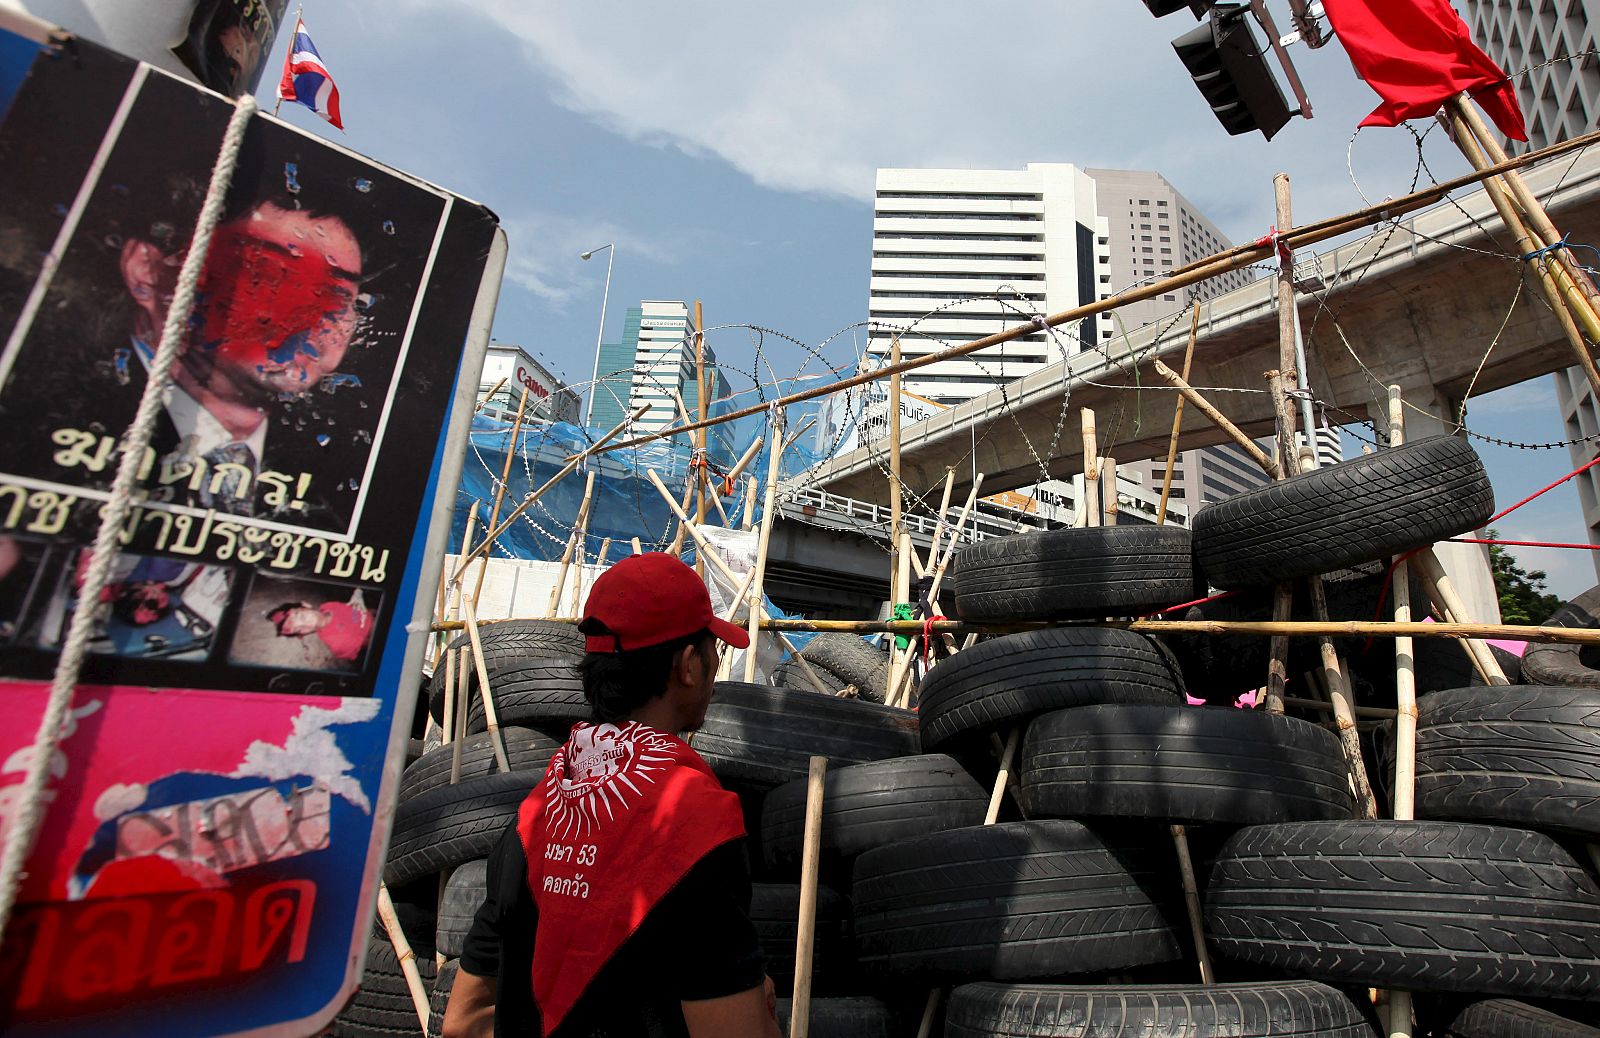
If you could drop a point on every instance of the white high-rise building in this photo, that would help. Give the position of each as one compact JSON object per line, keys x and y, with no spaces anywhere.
{"x":1154,"y":230}
{"x":1560,"y":99}
{"x":652,"y":363}
{"x":959,"y":254}
{"x":664,"y":362}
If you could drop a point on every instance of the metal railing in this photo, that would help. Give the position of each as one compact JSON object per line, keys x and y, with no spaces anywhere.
{"x":873,"y":519}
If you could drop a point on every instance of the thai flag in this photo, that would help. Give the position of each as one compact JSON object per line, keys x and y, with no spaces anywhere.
{"x":306,"y":79}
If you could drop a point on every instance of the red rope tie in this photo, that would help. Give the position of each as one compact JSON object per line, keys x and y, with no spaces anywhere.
{"x":1524,"y":544}
{"x":1185,"y":605}
{"x":927,"y":637}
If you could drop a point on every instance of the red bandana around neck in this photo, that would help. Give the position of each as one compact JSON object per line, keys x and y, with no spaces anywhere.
{"x":624,"y":812}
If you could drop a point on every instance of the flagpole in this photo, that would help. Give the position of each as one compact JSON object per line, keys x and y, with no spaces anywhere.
{"x":299,"y":16}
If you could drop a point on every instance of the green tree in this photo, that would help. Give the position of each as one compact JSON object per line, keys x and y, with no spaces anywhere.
{"x":1523,"y":599}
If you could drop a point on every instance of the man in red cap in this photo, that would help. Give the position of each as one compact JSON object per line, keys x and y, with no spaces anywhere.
{"x":618,"y":906}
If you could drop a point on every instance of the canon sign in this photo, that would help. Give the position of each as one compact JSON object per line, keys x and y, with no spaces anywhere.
{"x":528,"y":380}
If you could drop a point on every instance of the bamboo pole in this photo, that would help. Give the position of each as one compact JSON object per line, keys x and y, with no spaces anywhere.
{"x":701,"y":406}
{"x":806,"y":932}
{"x":1008,"y":758}
{"x":1253,"y":628}
{"x":582,"y":538}
{"x":955,"y":538}
{"x":749,"y":516}
{"x":577,"y":584}
{"x":489,"y":396}
{"x":1200,"y":270}
{"x":1405,"y":676}
{"x":1292,"y":353}
{"x":716,"y":502}
{"x":1205,"y":407}
{"x":1535,"y":211}
{"x":688,"y":495}
{"x":1287,"y":463}
{"x":573,"y":462}
{"x":799,"y":432}
{"x":1191,"y":900}
{"x":1091,"y":471}
{"x":463,"y":697}
{"x":1278,"y":648}
{"x":939,"y":527}
{"x":1554,"y":279}
{"x":574,"y":543}
{"x":746,"y":458}
{"x":763,"y":541}
{"x":893,"y":416}
{"x":930,"y":1012}
{"x":1399,"y":1014}
{"x":902,"y":690}
{"x":484,"y":692}
{"x":1108,"y":491}
{"x":1442,"y":590}
{"x":500,"y":488}
{"x":899,"y":661}
{"x":764,"y":622}
{"x":454,"y":608}
{"x":403,"y":952}
{"x":1343,"y":702}
{"x":1332,"y":667}
{"x":737,"y":602}
{"x":1177,"y":413}
{"x":1180,"y":834}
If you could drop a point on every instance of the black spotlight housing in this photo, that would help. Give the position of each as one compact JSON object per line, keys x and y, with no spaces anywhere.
{"x":1229,"y":65}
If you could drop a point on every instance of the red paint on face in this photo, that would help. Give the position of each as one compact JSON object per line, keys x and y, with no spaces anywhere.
{"x":276,"y":309}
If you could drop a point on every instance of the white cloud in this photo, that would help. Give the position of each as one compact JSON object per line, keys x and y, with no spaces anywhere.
{"x":545,"y":251}
{"x":814,"y":97}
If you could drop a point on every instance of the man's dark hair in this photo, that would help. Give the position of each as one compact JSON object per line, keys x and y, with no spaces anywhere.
{"x":279,"y":613}
{"x":618,"y":683}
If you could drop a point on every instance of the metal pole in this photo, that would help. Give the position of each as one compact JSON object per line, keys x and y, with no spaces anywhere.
{"x":599,"y":335}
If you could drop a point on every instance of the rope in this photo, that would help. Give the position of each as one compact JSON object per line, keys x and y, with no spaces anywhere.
{"x":1529,"y":257}
{"x":1580,"y":470}
{"x":1524,"y":544}
{"x":24,"y":828}
{"x":1185,"y":605}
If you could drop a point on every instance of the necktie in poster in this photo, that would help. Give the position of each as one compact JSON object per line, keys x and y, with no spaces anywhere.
{"x":208,"y":856}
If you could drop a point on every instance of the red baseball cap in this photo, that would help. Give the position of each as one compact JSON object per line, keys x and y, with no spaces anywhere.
{"x":649,"y":599}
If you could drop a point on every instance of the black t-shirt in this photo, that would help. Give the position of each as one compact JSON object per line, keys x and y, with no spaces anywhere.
{"x":697,"y":943}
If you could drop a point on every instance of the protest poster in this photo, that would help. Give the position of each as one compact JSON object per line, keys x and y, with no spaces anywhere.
{"x":210,"y":850}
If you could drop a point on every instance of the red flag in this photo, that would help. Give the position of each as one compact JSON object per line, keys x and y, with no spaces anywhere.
{"x":1417,"y":54}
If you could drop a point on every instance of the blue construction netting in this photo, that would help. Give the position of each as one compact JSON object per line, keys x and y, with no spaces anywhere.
{"x":624,"y":504}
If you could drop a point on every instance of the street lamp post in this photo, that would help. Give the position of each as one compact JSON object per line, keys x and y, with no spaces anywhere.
{"x":599,"y":335}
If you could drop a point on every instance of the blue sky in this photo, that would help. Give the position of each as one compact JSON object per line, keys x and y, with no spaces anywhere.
{"x":729,"y":150}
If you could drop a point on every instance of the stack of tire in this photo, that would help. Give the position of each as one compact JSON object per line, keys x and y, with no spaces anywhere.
{"x":1066,"y":917}
{"x":443,"y":832}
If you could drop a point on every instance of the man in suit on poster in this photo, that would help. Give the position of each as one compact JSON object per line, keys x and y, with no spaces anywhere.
{"x":275,"y":312}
